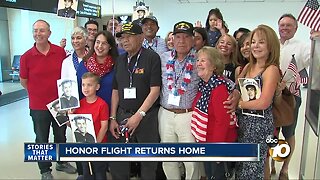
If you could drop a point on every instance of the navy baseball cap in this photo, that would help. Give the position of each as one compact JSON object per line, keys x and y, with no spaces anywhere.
{"x":130,"y":28}
{"x":183,"y":27}
{"x":152,"y":18}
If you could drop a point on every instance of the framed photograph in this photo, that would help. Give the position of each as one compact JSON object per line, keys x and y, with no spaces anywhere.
{"x":250,"y":90}
{"x":67,"y":9}
{"x":140,"y":12}
{"x":68,"y":94}
{"x":61,"y":116}
{"x":82,"y":128}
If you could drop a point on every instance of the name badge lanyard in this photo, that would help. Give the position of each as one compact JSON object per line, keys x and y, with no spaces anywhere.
{"x":154,"y":42}
{"x":177,"y":76}
{"x":133,"y":69}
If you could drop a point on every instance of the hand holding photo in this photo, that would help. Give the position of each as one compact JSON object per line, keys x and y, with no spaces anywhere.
{"x":250,"y":90}
{"x":61,"y":116}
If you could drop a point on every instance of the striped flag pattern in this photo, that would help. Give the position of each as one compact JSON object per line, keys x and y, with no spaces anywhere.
{"x":199,"y":121}
{"x":310,"y":15}
{"x":294,"y":86}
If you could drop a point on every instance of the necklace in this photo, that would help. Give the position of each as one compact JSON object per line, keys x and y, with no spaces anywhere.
{"x":185,"y":73}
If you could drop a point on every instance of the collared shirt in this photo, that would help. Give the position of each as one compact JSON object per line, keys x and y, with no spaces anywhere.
{"x":187,"y":98}
{"x":42,"y":72}
{"x":147,"y":74}
{"x":301,"y":52}
{"x":158,"y":45}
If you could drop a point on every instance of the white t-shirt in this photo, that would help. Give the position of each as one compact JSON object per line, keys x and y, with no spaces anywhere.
{"x":68,"y":71}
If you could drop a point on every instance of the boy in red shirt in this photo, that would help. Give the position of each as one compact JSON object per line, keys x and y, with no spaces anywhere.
{"x":92,"y":104}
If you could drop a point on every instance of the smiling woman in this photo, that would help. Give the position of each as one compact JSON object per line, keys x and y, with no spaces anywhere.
{"x":209,"y":111}
{"x":70,"y":65}
{"x":100,"y":60}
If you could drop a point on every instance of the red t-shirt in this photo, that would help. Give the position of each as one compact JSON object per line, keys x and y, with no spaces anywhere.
{"x":42,"y":72}
{"x":99,"y":110}
{"x":218,"y":127}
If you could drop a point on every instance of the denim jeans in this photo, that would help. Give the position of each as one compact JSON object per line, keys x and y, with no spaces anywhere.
{"x":42,"y":120}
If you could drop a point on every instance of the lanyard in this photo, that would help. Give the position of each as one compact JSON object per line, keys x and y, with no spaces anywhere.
{"x":134,"y":67}
{"x":178,"y":75}
{"x":154,"y":42}
{"x":150,"y":46}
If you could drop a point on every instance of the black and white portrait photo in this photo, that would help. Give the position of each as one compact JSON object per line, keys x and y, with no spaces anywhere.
{"x":59,"y":115}
{"x":82,"y":128}
{"x":250,"y":90}
{"x":68,"y":94}
{"x":67,"y":8}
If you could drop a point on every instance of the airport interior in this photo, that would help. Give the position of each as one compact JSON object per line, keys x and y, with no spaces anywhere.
{"x":16,"y":38}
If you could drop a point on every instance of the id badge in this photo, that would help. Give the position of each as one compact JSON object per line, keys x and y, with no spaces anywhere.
{"x":130,"y":93}
{"x":174,"y":100}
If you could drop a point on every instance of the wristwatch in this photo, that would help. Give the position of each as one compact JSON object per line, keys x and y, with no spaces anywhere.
{"x":142,"y":113}
{"x":112,"y":118}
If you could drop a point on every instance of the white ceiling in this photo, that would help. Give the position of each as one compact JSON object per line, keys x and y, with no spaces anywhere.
{"x":228,"y":1}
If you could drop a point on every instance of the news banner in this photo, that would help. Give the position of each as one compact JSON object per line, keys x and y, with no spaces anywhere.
{"x":34,"y":152}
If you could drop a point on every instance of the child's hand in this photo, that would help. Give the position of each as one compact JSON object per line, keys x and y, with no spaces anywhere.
{"x":198,"y":24}
{"x":219,"y":24}
{"x":71,"y":111}
{"x":68,"y":124}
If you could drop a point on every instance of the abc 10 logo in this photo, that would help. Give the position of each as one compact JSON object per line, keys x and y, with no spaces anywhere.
{"x":279,"y":149}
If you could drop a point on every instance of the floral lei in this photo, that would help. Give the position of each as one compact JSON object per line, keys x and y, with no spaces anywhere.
{"x":187,"y":69}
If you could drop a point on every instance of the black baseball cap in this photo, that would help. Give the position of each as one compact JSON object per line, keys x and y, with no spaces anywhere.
{"x":183,"y":27}
{"x":152,"y":18}
{"x":130,"y":28}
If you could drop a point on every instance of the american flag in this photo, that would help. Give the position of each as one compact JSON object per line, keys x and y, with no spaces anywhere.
{"x":295,"y":80}
{"x":293,"y":67}
{"x":304,"y":76}
{"x":199,"y":121}
{"x":310,"y":15}
{"x":199,"y":118}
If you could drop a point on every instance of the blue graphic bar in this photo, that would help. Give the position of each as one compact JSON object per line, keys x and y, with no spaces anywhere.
{"x":40,"y":152}
{"x":159,"y":152}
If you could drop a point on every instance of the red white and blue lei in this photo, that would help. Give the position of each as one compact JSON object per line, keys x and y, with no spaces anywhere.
{"x":172,"y":75}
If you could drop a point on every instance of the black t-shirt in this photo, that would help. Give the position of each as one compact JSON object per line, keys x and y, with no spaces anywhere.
{"x":229,"y":71}
{"x":146,"y":75}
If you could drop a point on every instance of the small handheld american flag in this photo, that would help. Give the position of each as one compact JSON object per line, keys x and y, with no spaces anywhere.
{"x":310,"y":15}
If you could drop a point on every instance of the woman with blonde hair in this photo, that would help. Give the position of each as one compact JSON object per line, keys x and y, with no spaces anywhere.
{"x":263,"y":67}
{"x":169,"y":40}
{"x":227,"y":46}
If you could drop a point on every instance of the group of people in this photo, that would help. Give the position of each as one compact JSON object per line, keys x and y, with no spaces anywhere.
{"x":182,"y":89}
